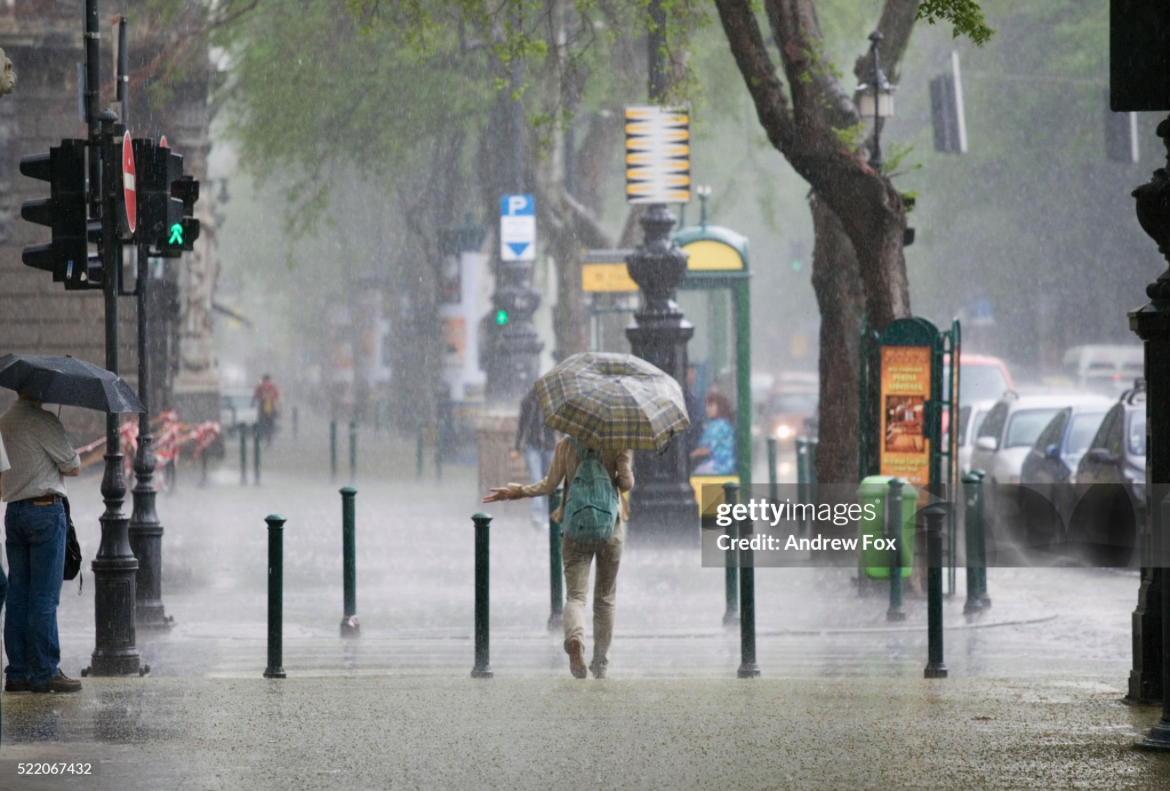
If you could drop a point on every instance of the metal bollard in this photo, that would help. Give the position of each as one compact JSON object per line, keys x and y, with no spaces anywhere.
{"x":773,"y":482}
{"x":296,"y":422}
{"x":349,"y":621}
{"x":243,"y":454}
{"x":275,"y":667}
{"x":352,"y":450}
{"x":483,"y":665}
{"x":747,"y":604}
{"x":731,"y":587}
{"x":418,"y":454}
{"x":256,"y":452}
{"x":556,"y":578}
{"x":935,"y":517}
{"x":894,"y":533}
{"x":972,"y":534}
{"x":333,"y":449}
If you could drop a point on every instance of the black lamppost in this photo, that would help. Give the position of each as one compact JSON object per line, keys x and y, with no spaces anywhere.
{"x":663,"y":502}
{"x":1152,"y":325}
{"x":875,"y":100}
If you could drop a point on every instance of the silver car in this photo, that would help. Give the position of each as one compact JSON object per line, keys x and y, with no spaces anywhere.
{"x":1011,"y":427}
{"x":971,"y":417}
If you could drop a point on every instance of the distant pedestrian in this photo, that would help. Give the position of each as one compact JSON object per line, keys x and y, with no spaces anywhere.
{"x":717,"y":445}
{"x":267,"y":401}
{"x":34,"y":487}
{"x":537,"y":442}
{"x":695,"y":410}
{"x":577,"y":556}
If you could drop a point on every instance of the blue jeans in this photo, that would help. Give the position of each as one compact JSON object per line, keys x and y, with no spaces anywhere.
{"x":538,"y":463}
{"x":36,"y":564}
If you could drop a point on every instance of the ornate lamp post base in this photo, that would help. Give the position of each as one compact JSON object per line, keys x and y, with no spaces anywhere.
{"x":115,"y":570}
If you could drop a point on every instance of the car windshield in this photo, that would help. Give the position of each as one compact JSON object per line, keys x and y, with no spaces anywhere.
{"x":1084,"y":427}
{"x":981,"y":383}
{"x":1025,"y":426}
{"x":797,"y":403}
{"x":1137,"y":434}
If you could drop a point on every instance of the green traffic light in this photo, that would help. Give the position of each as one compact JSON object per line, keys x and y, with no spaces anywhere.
{"x":176,"y":234}
{"x":795,"y":266}
{"x":501,"y":317}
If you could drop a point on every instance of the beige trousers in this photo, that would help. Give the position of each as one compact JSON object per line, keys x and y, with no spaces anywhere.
{"x":576,"y":559}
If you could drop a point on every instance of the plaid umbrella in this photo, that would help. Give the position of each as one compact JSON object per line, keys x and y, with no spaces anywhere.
{"x":613,"y":401}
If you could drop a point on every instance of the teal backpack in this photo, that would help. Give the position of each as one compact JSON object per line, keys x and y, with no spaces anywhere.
{"x":592,"y":507}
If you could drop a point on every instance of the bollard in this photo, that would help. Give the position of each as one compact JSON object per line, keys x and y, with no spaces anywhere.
{"x":352,"y":450}
{"x":296,"y":421}
{"x":243,"y":454}
{"x":256,"y":452}
{"x":349,"y":621}
{"x":275,"y":667}
{"x":801,"y":479}
{"x":483,"y":665}
{"x":731,"y":588}
{"x":895,"y":534}
{"x":747,"y":603}
{"x":972,"y":535}
{"x":773,"y":483}
{"x":418,"y":454}
{"x":935,"y":516}
{"x":555,"y":573}
{"x":333,"y":449}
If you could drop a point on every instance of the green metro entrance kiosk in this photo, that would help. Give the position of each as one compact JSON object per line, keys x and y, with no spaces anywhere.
{"x":715,"y":297}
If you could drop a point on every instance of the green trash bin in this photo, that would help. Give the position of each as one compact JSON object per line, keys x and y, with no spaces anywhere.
{"x":876,"y":562}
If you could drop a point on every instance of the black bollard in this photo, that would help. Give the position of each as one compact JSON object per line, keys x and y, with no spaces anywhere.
{"x":349,"y":621}
{"x":894,"y":534}
{"x":275,"y":667}
{"x":1158,"y":738}
{"x":972,"y":539}
{"x":483,"y":665}
{"x":747,"y":603}
{"x":352,"y":450}
{"x":730,"y":583}
{"x":333,"y":449}
{"x":555,"y":572}
{"x":935,"y":517}
{"x":243,"y":454}
{"x":773,"y":481}
{"x":256,"y":452}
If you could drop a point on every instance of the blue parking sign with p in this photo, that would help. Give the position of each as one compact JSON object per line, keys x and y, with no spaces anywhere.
{"x":517,"y":205}
{"x":517,"y":228}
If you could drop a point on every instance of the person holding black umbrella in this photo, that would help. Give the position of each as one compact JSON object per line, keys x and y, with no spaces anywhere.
{"x":35,"y":524}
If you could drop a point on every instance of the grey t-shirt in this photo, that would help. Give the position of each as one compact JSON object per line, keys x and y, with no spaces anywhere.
{"x":37,"y":450}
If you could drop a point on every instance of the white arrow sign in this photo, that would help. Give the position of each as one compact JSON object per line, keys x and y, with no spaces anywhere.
{"x":517,"y":228}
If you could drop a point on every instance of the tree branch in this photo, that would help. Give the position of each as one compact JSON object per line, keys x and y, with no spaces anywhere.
{"x":895,"y":25}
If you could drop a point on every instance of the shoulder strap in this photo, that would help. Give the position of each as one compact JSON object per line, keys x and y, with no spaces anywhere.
{"x":577,"y":447}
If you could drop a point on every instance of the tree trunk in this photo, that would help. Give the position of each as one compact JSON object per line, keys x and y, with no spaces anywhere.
{"x":837,"y":283}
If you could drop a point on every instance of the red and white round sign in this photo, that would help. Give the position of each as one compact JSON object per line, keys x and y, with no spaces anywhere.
{"x":128,"y":182}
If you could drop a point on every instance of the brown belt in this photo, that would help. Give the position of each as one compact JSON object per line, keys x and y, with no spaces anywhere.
{"x":48,"y":499}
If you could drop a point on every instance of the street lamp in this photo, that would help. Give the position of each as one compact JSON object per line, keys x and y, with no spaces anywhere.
{"x":875,"y":100}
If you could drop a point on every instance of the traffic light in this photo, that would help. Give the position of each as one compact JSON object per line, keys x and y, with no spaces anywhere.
{"x":67,"y":255}
{"x":181,"y":235}
{"x":501,"y":317}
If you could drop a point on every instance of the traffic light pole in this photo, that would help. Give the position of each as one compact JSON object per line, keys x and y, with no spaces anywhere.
{"x":115,"y":567}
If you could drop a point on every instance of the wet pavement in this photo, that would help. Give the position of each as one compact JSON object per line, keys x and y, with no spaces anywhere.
{"x":1033,"y":698}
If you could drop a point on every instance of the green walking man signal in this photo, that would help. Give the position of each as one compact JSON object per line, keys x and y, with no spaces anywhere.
{"x":176,"y":234}
{"x":501,"y":317}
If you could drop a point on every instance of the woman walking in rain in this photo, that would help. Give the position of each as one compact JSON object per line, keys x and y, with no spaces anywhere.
{"x":607,"y":405}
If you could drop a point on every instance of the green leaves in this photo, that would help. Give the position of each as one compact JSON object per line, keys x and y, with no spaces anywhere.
{"x":965,"y":16}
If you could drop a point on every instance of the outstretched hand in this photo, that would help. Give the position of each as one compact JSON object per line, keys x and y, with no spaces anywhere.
{"x":499,"y":494}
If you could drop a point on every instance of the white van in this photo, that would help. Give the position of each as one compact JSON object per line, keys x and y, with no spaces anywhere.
{"x":1104,"y":368}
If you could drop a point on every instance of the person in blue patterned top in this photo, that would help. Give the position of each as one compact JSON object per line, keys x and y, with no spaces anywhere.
{"x":717,"y":445}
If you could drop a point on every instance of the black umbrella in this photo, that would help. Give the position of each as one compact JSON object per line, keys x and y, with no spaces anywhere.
{"x":65,"y":380}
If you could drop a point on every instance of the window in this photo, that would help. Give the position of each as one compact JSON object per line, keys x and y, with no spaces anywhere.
{"x":1136,"y":440}
{"x":981,"y":383}
{"x":1053,"y":431}
{"x":1084,"y":426}
{"x":964,"y":417}
{"x":993,"y":424}
{"x":1026,"y":425}
{"x":794,"y":403}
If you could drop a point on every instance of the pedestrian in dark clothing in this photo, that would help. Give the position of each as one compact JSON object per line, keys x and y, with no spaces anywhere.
{"x":537,"y":442}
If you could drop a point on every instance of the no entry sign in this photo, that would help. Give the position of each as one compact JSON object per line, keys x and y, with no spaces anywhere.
{"x":128,"y":182}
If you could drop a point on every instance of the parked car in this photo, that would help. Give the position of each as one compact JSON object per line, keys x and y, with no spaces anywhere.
{"x":1104,"y":368}
{"x":236,"y":407}
{"x":792,"y":404}
{"x":982,"y":378}
{"x":1111,"y":481}
{"x":1012,"y":427}
{"x":1054,"y":457}
{"x":971,"y":417}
